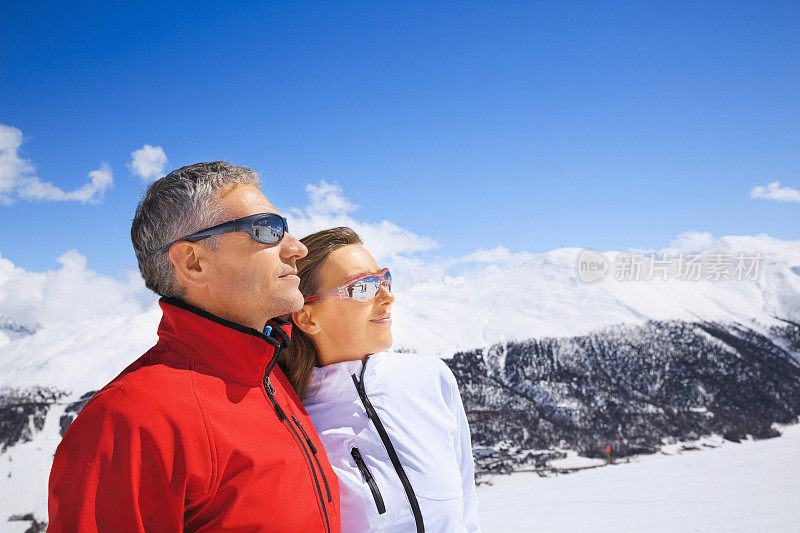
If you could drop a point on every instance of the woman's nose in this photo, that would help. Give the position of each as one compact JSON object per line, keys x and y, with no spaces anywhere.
{"x":385,"y":296}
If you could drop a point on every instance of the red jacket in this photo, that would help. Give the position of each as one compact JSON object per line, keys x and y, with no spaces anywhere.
{"x":202,"y":433}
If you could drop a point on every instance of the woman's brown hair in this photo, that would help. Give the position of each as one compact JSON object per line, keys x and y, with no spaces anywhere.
{"x":299,"y":359}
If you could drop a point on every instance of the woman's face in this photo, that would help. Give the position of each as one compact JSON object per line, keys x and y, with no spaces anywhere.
{"x":345,"y":330}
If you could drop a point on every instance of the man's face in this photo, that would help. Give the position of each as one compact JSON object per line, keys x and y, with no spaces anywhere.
{"x":250,"y":282}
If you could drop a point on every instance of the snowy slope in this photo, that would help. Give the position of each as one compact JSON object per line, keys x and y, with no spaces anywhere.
{"x":78,"y":356}
{"x":751,"y":486}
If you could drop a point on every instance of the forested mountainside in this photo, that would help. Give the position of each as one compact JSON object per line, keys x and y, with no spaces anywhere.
{"x":628,"y":387}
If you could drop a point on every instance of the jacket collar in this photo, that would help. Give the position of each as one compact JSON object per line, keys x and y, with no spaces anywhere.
{"x":334,"y":382}
{"x":221,"y":347}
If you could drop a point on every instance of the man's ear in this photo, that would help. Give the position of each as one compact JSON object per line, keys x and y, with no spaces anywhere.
{"x":191,"y":268}
{"x":304,"y":319}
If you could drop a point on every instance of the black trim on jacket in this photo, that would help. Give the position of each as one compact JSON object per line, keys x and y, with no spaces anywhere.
{"x":277,"y":337}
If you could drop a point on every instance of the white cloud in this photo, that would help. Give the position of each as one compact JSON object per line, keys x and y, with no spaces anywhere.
{"x":688,"y":241}
{"x":407,"y":253}
{"x":31,"y":188}
{"x":68,"y":295}
{"x":327,"y":199}
{"x":498,"y":255}
{"x":692,"y":241}
{"x":327,"y":207}
{"x":148,"y":162}
{"x":774,"y":191}
{"x":11,"y":165}
{"x":17,"y":179}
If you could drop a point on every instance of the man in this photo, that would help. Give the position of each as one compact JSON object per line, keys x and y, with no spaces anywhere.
{"x":203,"y":432}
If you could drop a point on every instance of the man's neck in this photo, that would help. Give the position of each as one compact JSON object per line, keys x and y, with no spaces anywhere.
{"x":222,"y":311}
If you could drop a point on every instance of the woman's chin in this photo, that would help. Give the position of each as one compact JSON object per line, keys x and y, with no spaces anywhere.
{"x":388,"y":343}
{"x":384,"y":344}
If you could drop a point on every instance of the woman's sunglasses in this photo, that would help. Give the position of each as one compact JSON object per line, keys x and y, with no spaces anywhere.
{"x":362,"y":288}
{"x":266,"y":228}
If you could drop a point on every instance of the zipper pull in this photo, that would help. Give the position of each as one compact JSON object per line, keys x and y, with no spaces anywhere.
{"x":308,"y":440}
{"x":268,"y":386}
{"x":373,"y":486}
{"x":271,"y":394}
{"x":362,"y":467}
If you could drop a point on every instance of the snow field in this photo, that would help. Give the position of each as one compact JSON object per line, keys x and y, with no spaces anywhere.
{"x":751,"y":486}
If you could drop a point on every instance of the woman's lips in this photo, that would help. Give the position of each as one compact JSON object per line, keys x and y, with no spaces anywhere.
{"x":385,"y":319}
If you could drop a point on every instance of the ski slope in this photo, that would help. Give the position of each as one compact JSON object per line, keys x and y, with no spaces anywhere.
{"x":750,"y":486}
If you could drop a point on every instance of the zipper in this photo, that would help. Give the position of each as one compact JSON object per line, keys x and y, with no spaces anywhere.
{"x":270,"y":390}
{"x":314,"y":452}
{"x":373,"y":486}
{"x":387,"y":443}
{"x":276,"y":343}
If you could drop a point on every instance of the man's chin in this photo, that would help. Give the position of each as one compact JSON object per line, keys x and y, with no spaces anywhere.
{"x":289,"y":302}
{"x":299,"y":301}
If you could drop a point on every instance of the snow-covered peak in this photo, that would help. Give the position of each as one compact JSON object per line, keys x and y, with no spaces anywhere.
{"x":545,"y":297}
{"x":11,"y":330}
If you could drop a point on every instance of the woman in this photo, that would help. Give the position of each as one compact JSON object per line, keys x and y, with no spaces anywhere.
{"x":393,"y":425}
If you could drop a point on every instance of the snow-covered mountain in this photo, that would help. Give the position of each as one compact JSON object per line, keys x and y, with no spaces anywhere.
{"x":11,"y":331}
{"x":532,"y":403}
{"x":545,"y":297}
{"x":548,"y":365}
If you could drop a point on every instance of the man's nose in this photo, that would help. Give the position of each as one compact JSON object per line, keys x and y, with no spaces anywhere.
{"x":292,"y":247}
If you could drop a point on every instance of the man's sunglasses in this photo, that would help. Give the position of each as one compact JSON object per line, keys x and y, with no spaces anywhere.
{"x":362,"y":288}
{"x":266,"y":228}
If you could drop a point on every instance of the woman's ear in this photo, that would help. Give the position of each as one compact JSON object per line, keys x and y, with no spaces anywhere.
{"x":304,"y":319}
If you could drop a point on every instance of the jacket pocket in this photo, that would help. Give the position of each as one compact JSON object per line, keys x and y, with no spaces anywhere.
{"x":373,"y":486}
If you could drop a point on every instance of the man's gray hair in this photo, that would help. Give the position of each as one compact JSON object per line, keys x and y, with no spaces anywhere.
{"x":182,"y":202}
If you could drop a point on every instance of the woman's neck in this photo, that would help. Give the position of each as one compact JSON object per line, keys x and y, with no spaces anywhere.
{"x":325,"y":360}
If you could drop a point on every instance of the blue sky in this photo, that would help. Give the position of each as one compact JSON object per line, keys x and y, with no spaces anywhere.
{"x":526,"y":125}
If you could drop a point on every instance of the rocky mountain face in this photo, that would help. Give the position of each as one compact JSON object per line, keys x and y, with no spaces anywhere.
{"x":628,"y":387}
{"x":23,"y":412}
{"x":12,"y":330}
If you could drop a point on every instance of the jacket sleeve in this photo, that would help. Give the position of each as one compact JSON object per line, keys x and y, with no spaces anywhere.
{"x":119,"y":468}
{"x":464,"y":455}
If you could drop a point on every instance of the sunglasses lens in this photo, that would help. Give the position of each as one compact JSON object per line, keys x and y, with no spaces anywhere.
{"x":268,"y":229}
{"x":364,"y":289}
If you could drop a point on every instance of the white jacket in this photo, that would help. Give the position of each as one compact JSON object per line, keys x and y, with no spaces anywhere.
{"x":418,"y":408}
